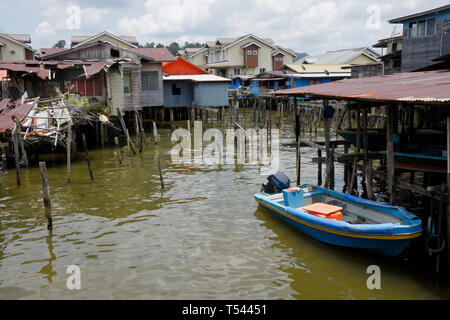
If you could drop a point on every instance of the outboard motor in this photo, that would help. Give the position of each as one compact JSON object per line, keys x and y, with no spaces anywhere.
{"x":276,"y":183}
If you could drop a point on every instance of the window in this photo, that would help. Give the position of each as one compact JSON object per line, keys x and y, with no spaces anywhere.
{"x":431,"y":27}
{"x":223,"y":54}
{"x":115,"y":53}
{"x":127,"y":82}
{"x":261,"y":70}
{"x":255,"y":52}
{"x":249,"y":52}
{"x":176,"y":90}
{"x":413,"y":29}
{"x":421,"y":28}
{"x":394,"y":47}
{"x":237,"y":71}
{"x":150,"y":81}
{"x":211,"y":57}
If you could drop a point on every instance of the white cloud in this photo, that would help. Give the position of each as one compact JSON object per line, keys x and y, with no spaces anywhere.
{"x":44,"y":29}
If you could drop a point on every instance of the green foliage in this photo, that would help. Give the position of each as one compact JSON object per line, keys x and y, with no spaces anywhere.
{"x":60,"y":44}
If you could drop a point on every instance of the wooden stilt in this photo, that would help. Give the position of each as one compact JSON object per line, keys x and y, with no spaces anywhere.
{"x":367,"y":161}
{"x":160,"y":174}
{"x":117,"y":147}
{"x":88,"y":160}
{"x":125,"y":130}
{"x":21,"y":142}
{"x":15,"y":138}
{"x":319,"y":169}
{"x":390,"y":151}
{"x":68,"y":150}
{"x":46,"y":194}
{"x":448,"y":190}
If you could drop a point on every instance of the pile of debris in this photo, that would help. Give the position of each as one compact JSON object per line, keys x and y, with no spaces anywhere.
{"x":42,"y":120}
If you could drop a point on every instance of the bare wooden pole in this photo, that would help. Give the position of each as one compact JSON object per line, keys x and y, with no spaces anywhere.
{"x":367,"y":161}
{"x":155,"y":132}
{"x":15,"y":138}
{"x":46,"y":194}
{"x":358,"y":144}
{"x":86,"y":151}
{"x":160,"y":174}
{"x":319,"y":171}
{"x":448,"y":190}
{"x":21,"y":143}
{"x":125,"y":130}
{"x":390,"y":151}
{"x":68,"y":151}
{"x":117,"y":147}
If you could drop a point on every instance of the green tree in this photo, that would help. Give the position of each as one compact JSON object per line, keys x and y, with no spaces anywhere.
{"x":60,"y":44}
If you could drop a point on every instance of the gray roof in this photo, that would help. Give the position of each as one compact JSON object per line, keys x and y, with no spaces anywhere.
{"x":24,"y":38}
{"x":339,"y":56}
{"x":77,"y":39}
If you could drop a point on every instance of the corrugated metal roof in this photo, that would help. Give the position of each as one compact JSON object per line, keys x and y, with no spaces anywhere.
{"x":197,"y":78}
{"x":48,"y":51}
{"x":25,"y":38}
{"x":21,"y":110}
{"x":158,"y":54}
{"x":431,"y":87}
{"x":317,"y":68}
{"x":337,"y":57}
{"x":416,"y":15}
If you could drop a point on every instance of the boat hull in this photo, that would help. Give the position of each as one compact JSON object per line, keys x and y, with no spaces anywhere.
{"x":389,"y":243}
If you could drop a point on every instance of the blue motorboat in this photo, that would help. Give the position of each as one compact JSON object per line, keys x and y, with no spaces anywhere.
{"x":347,"y":220}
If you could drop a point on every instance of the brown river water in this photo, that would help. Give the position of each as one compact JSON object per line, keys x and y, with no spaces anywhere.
{"x":202,"y":237}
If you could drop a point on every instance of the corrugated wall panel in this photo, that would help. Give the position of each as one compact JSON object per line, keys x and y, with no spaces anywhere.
{"x":211,"y":94}
{"x":184,"y":99}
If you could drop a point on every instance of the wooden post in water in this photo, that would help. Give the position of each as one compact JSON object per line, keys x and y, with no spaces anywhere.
{"x":448,"y":190}
{"x":68,"y":150}
{"x":299,"y":154}
{"x":319,"y":168}
{"x":160,"y":174}
{"x":353,"y":181}
{"x":20,"y":138}
{"x":46,"y":194}
{"x":367,"y":161}
{"x":125,"y":130}
{"x":117,"y":147}
{"x":329,"y":179}
{"x":86,"y":151}
{"x":15,"y":138}
{"x":390,"y":151}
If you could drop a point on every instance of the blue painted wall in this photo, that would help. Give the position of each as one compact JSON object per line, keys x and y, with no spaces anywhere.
{"x":214,"y":94}
{"x":184,"y":99}
{"x":255,"y":88}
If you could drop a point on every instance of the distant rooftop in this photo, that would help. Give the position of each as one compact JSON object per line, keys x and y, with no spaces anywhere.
{"x":24,"y":38}
{"x":78,"y":39}
{"x":338,"y":56}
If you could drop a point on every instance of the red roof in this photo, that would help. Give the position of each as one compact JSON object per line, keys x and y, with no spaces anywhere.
{"x":182,"y":67}
{"x":158,"y":54}
{"x":413,"y":87}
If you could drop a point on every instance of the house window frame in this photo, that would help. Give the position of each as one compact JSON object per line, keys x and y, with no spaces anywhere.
{"x":426,"y":33}
{"x":126,"y":75}
{"x":237,"y":71}
{"x":148,"y":85}
{"x":255,"y":52}
{"x":249,"y":52}
{"x":176,"y":90}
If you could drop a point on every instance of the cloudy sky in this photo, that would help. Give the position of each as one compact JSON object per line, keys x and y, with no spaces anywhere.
{"x":311,"y":26}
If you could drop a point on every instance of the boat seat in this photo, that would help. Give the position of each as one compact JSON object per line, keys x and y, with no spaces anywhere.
{"x":324,"y":210}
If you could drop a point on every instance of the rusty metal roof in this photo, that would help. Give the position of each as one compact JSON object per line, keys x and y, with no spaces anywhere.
{"x":9,"y":109}
{"x":41,"y":68}
{"x":432,"y":87}
{"x":158,"y":54}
